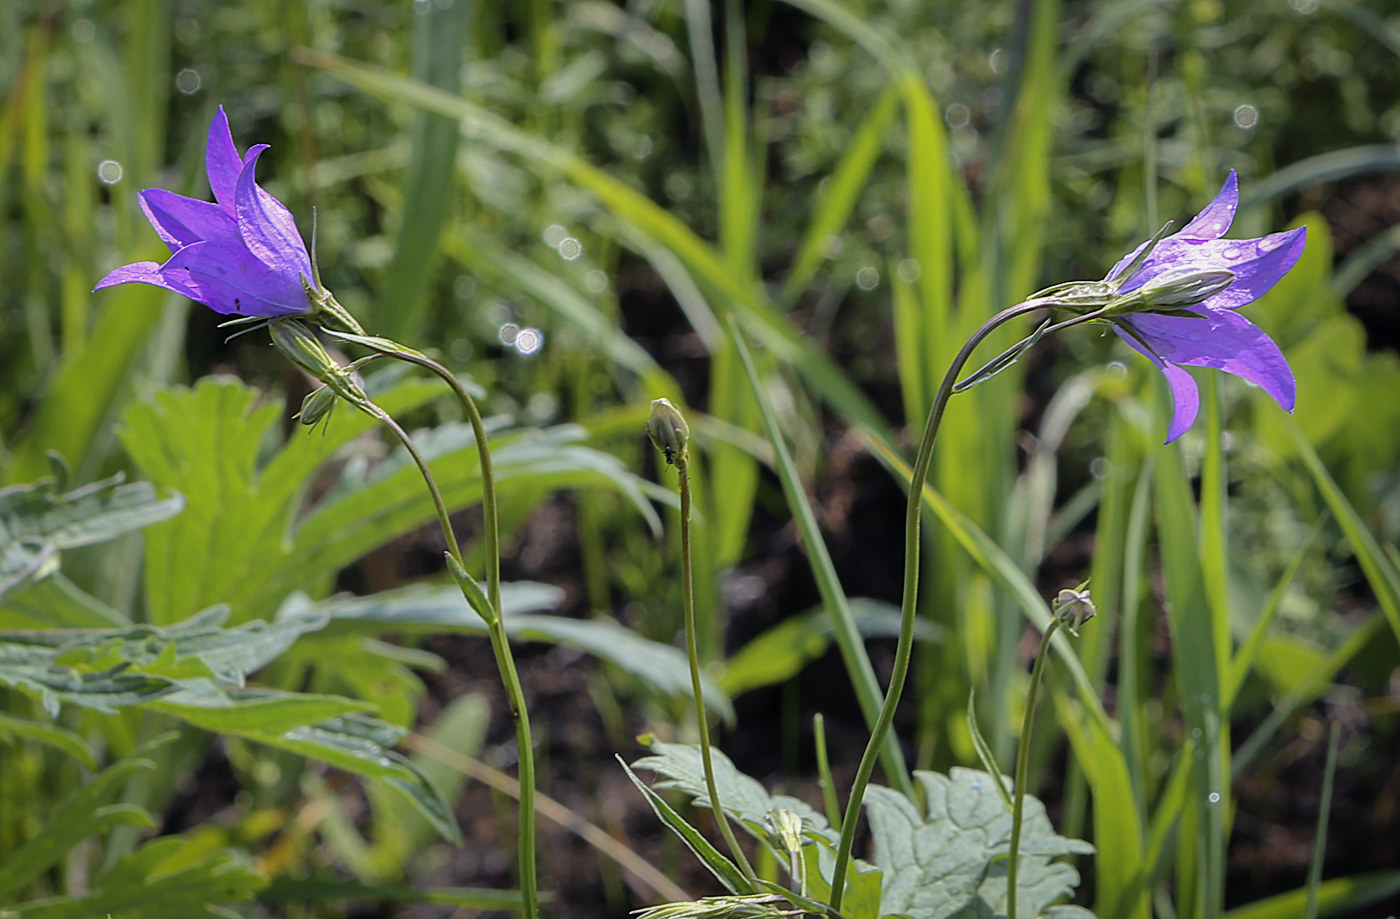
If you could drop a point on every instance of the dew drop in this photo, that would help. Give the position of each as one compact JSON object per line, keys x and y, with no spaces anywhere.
{"x":867,"y":278}
{"x":1246,"y":116}
{"x":528,"y":341}
{"x":909,"y":271}
{"x":84,"y":31}
{"x":596,"y":282}
{"x":554,"y":234}
{"x":1215,"y":797}
{"x":110,"y":172}
{"x":507,"y":333}
{"x":976,"y":784}
{"x":570,"y":249}
{"x":187,"y":81}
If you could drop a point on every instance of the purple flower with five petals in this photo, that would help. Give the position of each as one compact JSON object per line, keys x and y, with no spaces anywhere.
{"x":240,"y":256}
{"x":1216,"y":335}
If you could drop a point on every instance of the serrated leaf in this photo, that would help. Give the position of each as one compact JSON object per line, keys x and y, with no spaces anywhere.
{"x":36,"y":522}
{"x":949,"y":861}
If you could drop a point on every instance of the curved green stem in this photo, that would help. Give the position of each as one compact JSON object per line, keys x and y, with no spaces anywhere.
{"x":909,"y":605}
{"x":692,"y":652}
{"x":1023,"y":757}
{"x":500,"y":642}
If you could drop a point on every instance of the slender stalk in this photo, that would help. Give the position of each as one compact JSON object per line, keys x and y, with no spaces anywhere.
{"x":693,"y":652}
{"x":500,"y":643}
{"x":1023,"y":758}
{"x":909,"y":605}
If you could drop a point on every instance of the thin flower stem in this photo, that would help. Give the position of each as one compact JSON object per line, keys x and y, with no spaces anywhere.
{"x":692,"y":651}
{"x":500,"y":642}
{"x":1023,"y":757}
{"x":909,"y":605}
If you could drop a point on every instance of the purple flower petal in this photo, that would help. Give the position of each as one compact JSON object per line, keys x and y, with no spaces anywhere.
{"x":1224,"y":340}
{"x":145,"y":273}
{"x":1257,"y":263}
{"x":1215,"y":219}
{"x":230,"y":279}
{"x":222,"y":162}
{"x":1185,"y":397}
{"x":267,"y":226}
{"x":181,"y":221}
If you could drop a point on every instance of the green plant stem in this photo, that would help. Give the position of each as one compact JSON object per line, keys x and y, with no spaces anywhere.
{"x":500,"y":643}
{"x":1023,"y":758}
{"x":693,"y":652}
{"x":909,"y":606}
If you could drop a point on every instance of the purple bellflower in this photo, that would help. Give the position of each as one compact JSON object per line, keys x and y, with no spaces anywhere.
{"x":240,"y":256}
{"x":1208,"y":332}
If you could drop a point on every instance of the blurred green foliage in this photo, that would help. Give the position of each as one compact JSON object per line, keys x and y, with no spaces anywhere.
{"x":567,"y":201}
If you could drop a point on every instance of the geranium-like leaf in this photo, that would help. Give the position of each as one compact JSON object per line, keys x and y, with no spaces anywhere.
{"x":949,"y":862}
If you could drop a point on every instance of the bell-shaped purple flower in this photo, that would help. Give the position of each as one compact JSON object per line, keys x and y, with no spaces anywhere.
{"x":240,"y":256}
{"x":1215,"y":336}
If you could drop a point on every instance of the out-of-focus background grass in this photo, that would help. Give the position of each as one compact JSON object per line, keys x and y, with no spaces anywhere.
{"x":567,"y":200}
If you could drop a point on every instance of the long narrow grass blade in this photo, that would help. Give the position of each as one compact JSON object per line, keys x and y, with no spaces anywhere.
{"x":984,"y":752}
{"x":848,"y":639}
{"x":1324,"y":813}
{"x":842,"y":190}
{"x":1380,"y":573}
{"x":1245,"y":657}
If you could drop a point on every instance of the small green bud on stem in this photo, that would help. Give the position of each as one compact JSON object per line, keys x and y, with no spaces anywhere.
{"x":668,"y":431}
{"x":1074,"y":607}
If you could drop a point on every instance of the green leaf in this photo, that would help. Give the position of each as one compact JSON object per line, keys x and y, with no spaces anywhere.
{"x":439,"y":38}
{"x":1338,"y":895}
{"x":743,"y":798}
{"x":168,"y":878}
{"x":949,"y":861}
{"x":426,"y":610}
{"x":75,"y":819}
{"x":780,"y":653}
{"x":56,"y":602}
{"x":719,"y":865}
{"x":252,"y":713}
{"x":853,"y":654}
{"x":297,"y":890}
{"x":1380,"y":573}
{"x":36,"y":522}
{"x":56,"y":736}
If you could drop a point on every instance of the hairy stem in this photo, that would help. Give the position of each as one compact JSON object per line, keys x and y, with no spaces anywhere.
{"x":692,"y":651}
{"x":1023,"y":757}
{"x":909,"y":605}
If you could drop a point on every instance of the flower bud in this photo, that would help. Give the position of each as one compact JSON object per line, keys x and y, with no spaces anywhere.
{"x":786,"y":825}
{"x":301,"y":346}
{"x":316,"y":406}
{"x":1073,"y":607}
{"x":669,"y":432}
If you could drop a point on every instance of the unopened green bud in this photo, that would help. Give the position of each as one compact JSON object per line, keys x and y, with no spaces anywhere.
{"x":668,"y":431}
{"x":301,"y":346}
{"x":1083,"y":296}
{"x":786,"y":825}
{"x":316,"y":406}
{"x":1074,"y":607}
